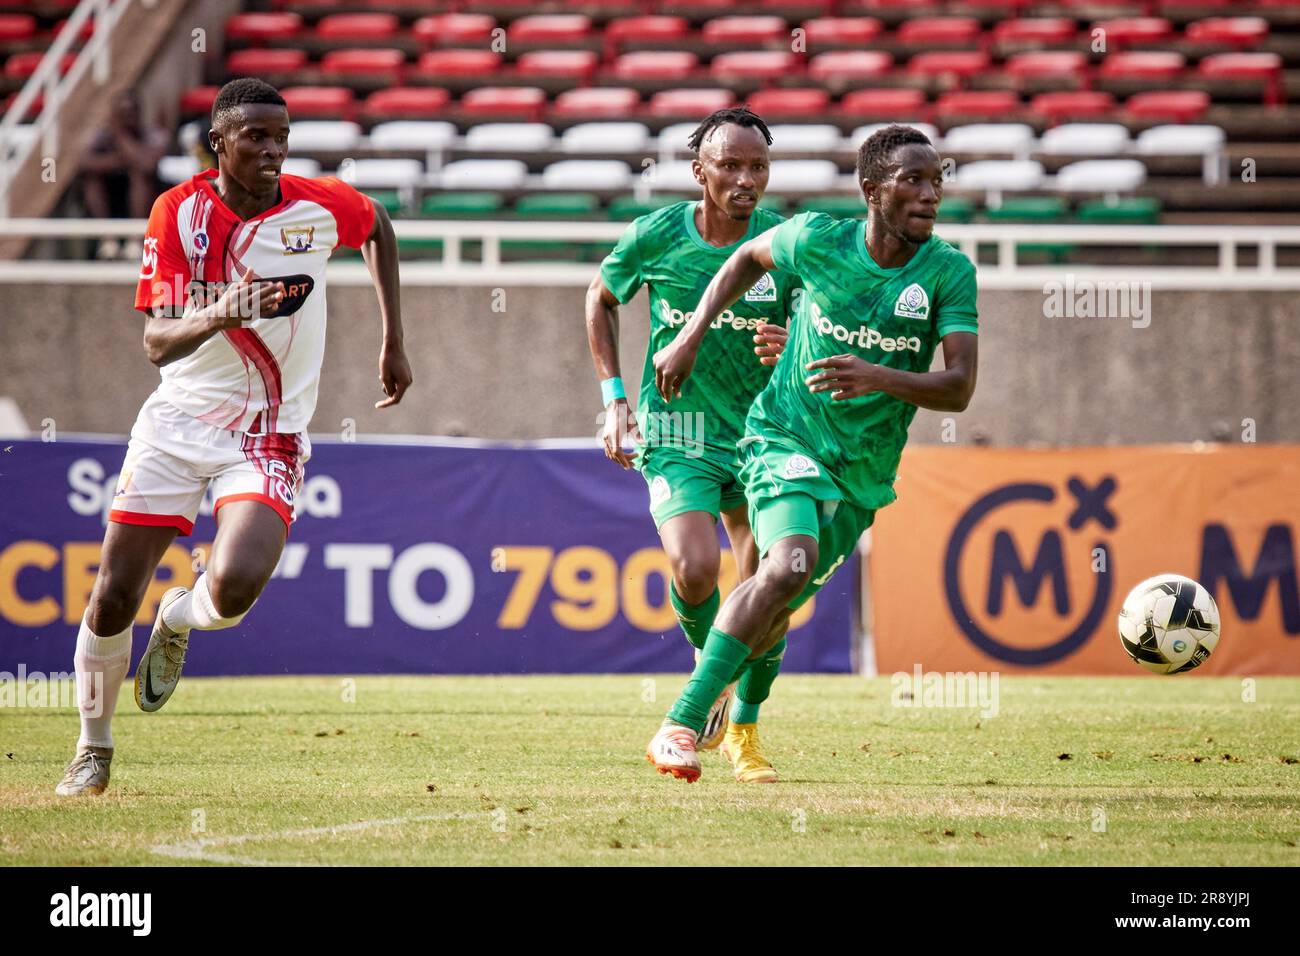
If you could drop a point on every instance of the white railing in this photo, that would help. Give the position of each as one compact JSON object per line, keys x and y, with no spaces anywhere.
{"x":1004,"y":271}
{"x":17,"y":141}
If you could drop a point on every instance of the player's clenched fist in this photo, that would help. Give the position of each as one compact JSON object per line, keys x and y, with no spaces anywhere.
{"x":673,"y":365}
{"x":769,"y":342}
{"x":394,"y":375}
{"x":844,"y":376}
{"x":620,"y":428}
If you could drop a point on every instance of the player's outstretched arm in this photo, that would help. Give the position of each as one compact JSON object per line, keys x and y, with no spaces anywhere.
{"x":168,"y":337}
{"x":849,"y":376}
{"x":674,"y":362}
{"x":380,"y":253}
{"x":602,"y":339}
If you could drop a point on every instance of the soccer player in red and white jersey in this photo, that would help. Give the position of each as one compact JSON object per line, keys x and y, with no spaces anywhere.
{"x":233,"y":289}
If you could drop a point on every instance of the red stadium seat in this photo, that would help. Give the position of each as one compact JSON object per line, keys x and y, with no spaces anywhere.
{"x":1154,"y":64}
{"x":458,"y":63}
{"x":812,"y":6}
{"x":988,"y":104}
{"x":415,"y":102}
{"x":257,"y":61}
{"x":261,"y":27}
{"x":900,"y":103}
{"x":553,"y":28}
{"x":578,"y":65}
{"x":1264,"y":67}
{"x":756,"y":64}
{"x":16,"y":27}
{"x":690,"y":102}
{"x":961,"y":63}
{"x":328,"y":102}
{"x":446,"y":28}
{"x":939,"y":30}
{"x":86,"y":31}
{"x":1181,"y":106}
{"x":855,"y":64}
{"x":1035,"y":30}
{"x":368,"y":62}
{"x":603,"y":102}
{"x":1127,"y":30}
{"x":785,"y":102}
{"x":357,"y":27}
{"x":655,"y":65}
{"x":22,"y":65}
{"x":198,"y":99}
{"x":745,"y":30}
{"x":1072,"y":104}
{"x":658,"y":28}
{"x":1240,"y":32}
{"x":1047,"y":63}
{"x":504,"y":100}
{"x":846,"y":30}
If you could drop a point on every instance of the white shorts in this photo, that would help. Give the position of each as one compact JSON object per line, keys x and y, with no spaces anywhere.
{"x":173,"y":457}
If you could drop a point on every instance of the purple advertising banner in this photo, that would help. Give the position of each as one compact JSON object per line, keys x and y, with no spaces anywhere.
{"x":448,"y":558}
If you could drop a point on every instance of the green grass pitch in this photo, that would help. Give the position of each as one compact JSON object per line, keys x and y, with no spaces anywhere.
{"x":550,"y":770}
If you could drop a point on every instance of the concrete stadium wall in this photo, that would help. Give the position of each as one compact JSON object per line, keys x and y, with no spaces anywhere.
{"x":1207,"y":361}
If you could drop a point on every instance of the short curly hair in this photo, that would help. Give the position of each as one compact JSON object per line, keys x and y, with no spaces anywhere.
{"x":741,"y":116}
{"x":875,"y":152}
{"x":236,"y":93}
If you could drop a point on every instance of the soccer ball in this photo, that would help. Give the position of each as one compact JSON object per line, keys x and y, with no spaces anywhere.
{"x":1169,"y":624}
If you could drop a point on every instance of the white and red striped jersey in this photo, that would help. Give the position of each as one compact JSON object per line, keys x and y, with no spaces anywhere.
{"x":262,"y":377}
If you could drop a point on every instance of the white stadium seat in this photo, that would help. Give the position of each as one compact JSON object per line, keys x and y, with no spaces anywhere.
{"x":672,"y":176}
{"x":312,"y":135}
{"x":1084,"y":139}
{"x":1111,"y":176}
{"x":803,"y":175}
{"x":1000,"y":174}
{"x":863,"y":133}
{"x":587,"y":174}
{"x":177,"y":169}
{"x":1180,"y":140}
{"x":510,"y":137}
{"x":301,"y":166}
{"x":483,"y":174}
{"x":383,"y":173}
{"x":413,"y":134}
{"x":1017,"y":139}
{"x":805,"y":138}
{"x":673,"y":139}
{"x":605,"y":138}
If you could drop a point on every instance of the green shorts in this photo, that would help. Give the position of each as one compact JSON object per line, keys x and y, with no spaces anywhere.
{"x":681,"y":482}
{"x":790,"y":494}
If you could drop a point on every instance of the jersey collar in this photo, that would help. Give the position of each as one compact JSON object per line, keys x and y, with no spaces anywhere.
{"x":875,"y":268}
{"x":691,"y":230}
{"x":206,"y":181}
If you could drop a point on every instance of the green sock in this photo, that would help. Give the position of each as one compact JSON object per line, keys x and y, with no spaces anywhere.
{"x":719,"y":658}
{"x":695,"y":619}
{"x":756,"y":684}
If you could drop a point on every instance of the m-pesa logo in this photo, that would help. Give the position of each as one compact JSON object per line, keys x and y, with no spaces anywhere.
{"x":863,"y":336}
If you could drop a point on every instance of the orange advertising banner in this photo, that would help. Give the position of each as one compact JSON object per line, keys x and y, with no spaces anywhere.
{"x":1018,"y":560}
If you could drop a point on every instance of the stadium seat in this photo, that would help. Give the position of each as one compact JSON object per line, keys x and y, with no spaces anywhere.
{"x":1123,"y":31}
{"x":1072,"y":104}
{"x":805,"y":137}
{"x":406,"y":101}
{"x":587,"y":174}
{"x":690,"y":102}
{"x":1014,"y":138}
{"x":1265,"y":68}
{"x":462,"y":205}
{"x":504,"y":100}
{"x":655,"y":65}
{"x":550,"y":28}
{"x":458,"y":63}
{"x":510,"y":137}
{"x":357,"y":27}
{"x":999,"y":175}
{"x":321,"y":101}
{"x":855,"y":31}
{"x":1101,"y":175}
{"x":760,"y":65}
{"x":605,"y":138}
{"x":849,"y":65}
{"x":263,"y":27}
{"x":978,"y":103}
{"x":901,"y":102}
{"x":863,"y":133}
{"x":260,"y":61}
{"x":1239,"y":32}
{"x":938,"y":31}
{"x":1121,"y":211}
{"x":365,"y":62}
{"x":483,"y":174}
{"x":15,"y":27}
{"x":1029,"y":209}
{"x":659,"y":29}
{"x":958,"y":63}
{"x":576,"y":65}
{"x":390,"y":199}
{"x":1145,"y":65}
{"x":303,"y":166}
{"x":789,"y":102}
{"x":198,"y":99}
{"x":675,"y":137}
{"x":557,"y":206}
{"x":321,"y":135}
{"x":626,"y":208}
{"x":84,"y":33}
{"x":1182,"y":106}
{"x":429,"y":135}
{"x":385,"y":173}
{"x":1180,"y":140}
{"x":1084,"y":139}
{"x":1039,"y":30}
{"x":760,"y":29}
{"x":675,"y":175}
{"x":177,"y":169}
{"x":803,"y":175}
{"x":597,"y":101}
{"x":20,"y":66}
{"x":1038,"y":64}
{"x":837,"y":207}
{"x":447,"y":28}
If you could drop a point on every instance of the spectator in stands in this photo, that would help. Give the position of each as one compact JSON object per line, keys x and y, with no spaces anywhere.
{"x":119,"y":176}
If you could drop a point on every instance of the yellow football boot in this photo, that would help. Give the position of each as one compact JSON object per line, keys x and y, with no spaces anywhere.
{"x":740,"y":747}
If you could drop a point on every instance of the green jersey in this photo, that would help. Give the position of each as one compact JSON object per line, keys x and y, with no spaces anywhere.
{"x":892,"y":317}
{"x":664,"y":250}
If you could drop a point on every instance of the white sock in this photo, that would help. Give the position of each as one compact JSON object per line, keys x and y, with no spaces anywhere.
{"x":195,"y":610}
{"x":101,"y":663}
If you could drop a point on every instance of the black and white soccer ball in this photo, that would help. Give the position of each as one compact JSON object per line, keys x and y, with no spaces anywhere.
{"x":1169,"y":624}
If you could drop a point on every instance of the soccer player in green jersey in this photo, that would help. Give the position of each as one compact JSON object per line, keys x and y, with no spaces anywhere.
{"x":687,"y":454}
{"x":823,"y":440}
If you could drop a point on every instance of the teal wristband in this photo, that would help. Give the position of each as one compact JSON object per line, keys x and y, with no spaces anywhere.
{"x":612,"y":388}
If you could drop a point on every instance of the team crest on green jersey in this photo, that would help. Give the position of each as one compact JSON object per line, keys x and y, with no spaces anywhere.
{"x":659,"y":490}
{"x":913,"y":303}
{"x":764,"y":290}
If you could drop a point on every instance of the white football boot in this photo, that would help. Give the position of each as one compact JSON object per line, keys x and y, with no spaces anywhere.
{"x":160,"y":666}
{"x":672,"y":750}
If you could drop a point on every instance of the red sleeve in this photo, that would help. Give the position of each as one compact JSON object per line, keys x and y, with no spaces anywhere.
{"x":164,"y":270}
{"x":352,"y":210}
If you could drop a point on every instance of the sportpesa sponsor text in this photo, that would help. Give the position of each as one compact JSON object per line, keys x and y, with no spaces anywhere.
{"x":863,"y":337}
